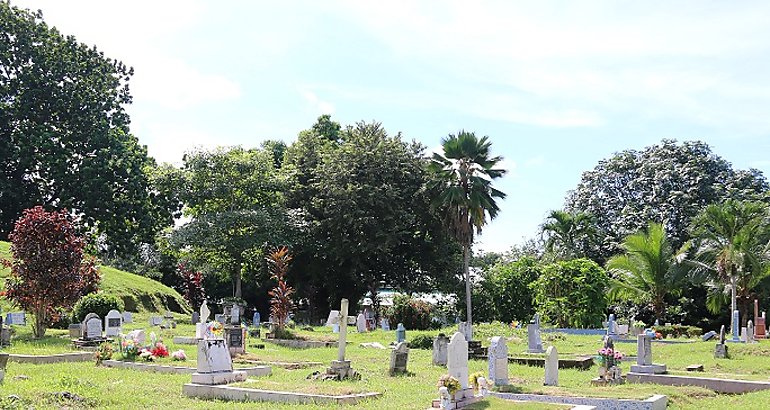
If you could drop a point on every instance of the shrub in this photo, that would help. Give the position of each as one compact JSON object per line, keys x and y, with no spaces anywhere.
{"x":679,"y":331}
{"x":572,"y":293}
{"x":415,"y":314}
{"x":512,"y":294}
{"x":191,"y":285}
{"x":100,"y":303}
{"x":421,"y":341}
{"x":281,"y":303}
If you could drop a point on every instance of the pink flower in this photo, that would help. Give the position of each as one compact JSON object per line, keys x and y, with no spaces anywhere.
{"x":179,"y":355}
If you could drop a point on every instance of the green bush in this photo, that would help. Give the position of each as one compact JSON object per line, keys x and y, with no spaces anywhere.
{"x":510,"y":284}
{"x":421,"y":341}
{"x":572,"y":293}
{"x":674,"y":331}
{"x":100,"y":303}
{"x":415,"y":314}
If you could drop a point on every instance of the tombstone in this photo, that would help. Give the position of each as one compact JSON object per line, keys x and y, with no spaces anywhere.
{"x":336,"y":328}
{"x":612,"y":327}
{"x":200,"y":326}
{"x":551,"y":367}
{"x":334,"y":318}
{"x":256,"y":319}
{"x":498,"y":361}
{"x":760,"y":328}
{"x":622,"y":330}
{"x":128,"y":317}
{"x":113,"y":323}
{"x":708,"y":336}
{"x":534,"y":342}
{"x":399,"y":358}
{"x":400,"y":333}
{"x":138,"y":336}
{"x":720,"y":350}
{"x":340,"y":369}
{"x":440,"y":345}
{"x":196,"y":318}
{"x":361,"y":323}
{"x":16,"y":318}
{"x":744,"y":336}
{"x":457,"y":359}
{"x":235,"y":340}
{"x":93,"y":329}
{"x":750,"y":332}
{"x":736,"y":326}
{"x":215,"y":366}
{"x":466,"y":330}
{"x":156,"y":320}
{"x":235,"y":315}
{"x":644,"y":357}
{"x":75,"y":330}
{"x":385,"y":324}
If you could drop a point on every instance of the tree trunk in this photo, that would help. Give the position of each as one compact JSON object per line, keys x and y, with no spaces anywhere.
{"x":466,"y":270}
{"x":733,"y":284}
{"x":237,"y":284}
{"x":41,"y":322}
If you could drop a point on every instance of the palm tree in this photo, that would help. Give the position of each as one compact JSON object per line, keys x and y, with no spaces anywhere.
{"x":648,"y":271}
{"x":464,"y":181}
{"x":731,"y":249}
{"x":567,"y":234}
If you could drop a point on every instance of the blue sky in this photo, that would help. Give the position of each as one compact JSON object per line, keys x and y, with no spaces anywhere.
{"x":557,"y":86}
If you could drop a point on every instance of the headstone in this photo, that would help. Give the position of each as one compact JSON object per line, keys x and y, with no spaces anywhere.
{"x":75,"y":330}
{"x":215,"y":365}
{"x":196,"y":318}
{"x":722,"y":334}
{"x":334,"y":318}
{"x":93,"y":329}
{"x":385,"y":324}
{"x":113,"y":323}
{"x":534,"y":342}
{"x":219,"y":318}
{"x":440,"y":345}
{"x":466,"y":330}
{"x":16,"y":318}
{"x":644,"y":357}
{"x":235,"y":340}
{"x":156,"y":320}
{"x":457,"y":359}
{"x":340,"y":369}
{"x":736,"y":326}
{"x":760,"y":327}
{"x":361,"y":323}
{"x":720,"y":350}
{"x":235,"y":315}
{"x":744,"y":336}
{"x":336,"y":328}
{"x":612,"y":327}
{"x":399,"y":358}
{"x":622,"y":329}
{"x":137,"y":335}
{"x":256,"y":319}
{"x":400,"y":333}
{"x":551,"y":367}
{"x":498,"y":361}
{"x":750,"y":332}
{"x":708,"y":336}
{"x":128,"y":317}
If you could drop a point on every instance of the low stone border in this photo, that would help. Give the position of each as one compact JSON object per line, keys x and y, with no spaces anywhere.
{"x":657,"y":402}
{"x":245,"y":394}
{"x":583,"y":363}
{"x":718,"y":385}
{"x":256,"y":371}
{"x":51,"y":358}
{"x":185,"y":340}
{"x":284,"y":365}
{"x":301,"y":344}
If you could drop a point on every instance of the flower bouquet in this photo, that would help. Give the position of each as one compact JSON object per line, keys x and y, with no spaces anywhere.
{"x":179,"y":355}
{"x":129,"y":348}
{"x":159,"y":350}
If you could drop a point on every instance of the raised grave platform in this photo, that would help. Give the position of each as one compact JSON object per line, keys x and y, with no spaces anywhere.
{"x":255,"y":371}
{"x":302,"y":344}
{"x":731,"y":386}
{"x":580,"y":363}
{"x":185,"y":340}
{"x":51,"y":358}
{"x":246,"y":394}
{"x":657,"y":402}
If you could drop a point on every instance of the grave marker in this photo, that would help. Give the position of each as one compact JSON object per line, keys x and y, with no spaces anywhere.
{"x":759,"y":322}
{"x":385,"y":324}
{"x":534,"y":342}
{"x":457,"y":359}
{"x":551,"y":367}
{"x":256,"y":319}
{"x":400,"y":333}
{"x":750,"y":332}
{"x":440,"y":346}
{"x":113,"y":323}
{"x":128,"y":317}
{"x":361,"y":323}
{"x":644,"y":357}
{"x":720,"y":350}
{"x":16,"y":318}
{"x":196,"y":318}
{"x":498,"y":361}
{"x":93,"y":328}
{"x":215,"y":365}
{"x":399,"y":358}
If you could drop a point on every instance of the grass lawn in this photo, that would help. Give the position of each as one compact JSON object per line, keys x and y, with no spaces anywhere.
{"x":96,"y":387}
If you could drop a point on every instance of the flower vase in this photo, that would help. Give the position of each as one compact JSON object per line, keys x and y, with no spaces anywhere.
{"x":602,"y":372}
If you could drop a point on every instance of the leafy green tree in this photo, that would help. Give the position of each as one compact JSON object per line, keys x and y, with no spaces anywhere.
{"x":731,"y":250}
{"x":648,"y":271}
{"x":572,"y":293}
{"x":465,"y":173}
{"x":234,"y":200}
{"x":666,"y":183}
{"x":511,"y":288}
{"x":66,"y":141}
{"x":569,"y":235}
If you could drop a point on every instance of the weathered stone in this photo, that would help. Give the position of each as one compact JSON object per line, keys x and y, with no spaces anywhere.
{"x":457,"y":359}
{"x":440,"y":346}
{"x":497,"y":357}
{"x":399,"y":358}
{"x":551,"y":367}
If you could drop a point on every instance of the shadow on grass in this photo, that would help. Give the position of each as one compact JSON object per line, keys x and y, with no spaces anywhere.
{"x":509,"y":389}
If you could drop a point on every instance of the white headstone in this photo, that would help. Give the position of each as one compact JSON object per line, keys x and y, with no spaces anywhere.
{"x":214,"y":357}
{"x":466,"y":330}
{"x":128,"y":317}
{"x":138,"y":336}
{"x":361,"y":323}
{"x":643,"y":350}
{"x":93,"y":328}
{"x":457,"y":359}
{"x":235,"y":314}
{"x":440,"y":346}
{"x":334,"y":318}
{"x":113,"y":322}
{"x":205,"y":312}
{"x":750,"y":332}
{"x":385,"y":324}
{"x":551,"y":367}
{"x":497,"y":357}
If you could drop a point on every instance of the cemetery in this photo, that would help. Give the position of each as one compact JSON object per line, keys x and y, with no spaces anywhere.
{"x":344,"y":265}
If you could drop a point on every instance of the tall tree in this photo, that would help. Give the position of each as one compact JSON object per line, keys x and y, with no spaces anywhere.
{"x":66,"y":141}
{"x":731,"y":249}
{"x":665,"y":183}
{"x":465,"y":173}
{"x":648,"y":271}
{"x":569,"y":235}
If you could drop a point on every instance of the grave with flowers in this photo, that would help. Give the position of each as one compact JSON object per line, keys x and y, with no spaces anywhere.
{"x":609,"y":360}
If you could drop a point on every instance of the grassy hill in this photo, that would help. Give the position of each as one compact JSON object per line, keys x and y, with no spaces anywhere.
{"x":137,"y":292}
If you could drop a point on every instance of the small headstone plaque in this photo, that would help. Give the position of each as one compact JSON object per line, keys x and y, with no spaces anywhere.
{"x":128,"y":317}
{"x":399,"y":358}
{"x":361,"y":323}
{"x":16,"y":318}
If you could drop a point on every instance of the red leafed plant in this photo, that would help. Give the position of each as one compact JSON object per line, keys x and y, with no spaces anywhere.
{"x":49,"y":270}
{"x":192,"y":285}
{"x":281,"y":304}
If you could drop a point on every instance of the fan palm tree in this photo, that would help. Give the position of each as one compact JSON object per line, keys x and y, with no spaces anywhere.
{"x":730,"y":249}
{"x":648,"y":271}
{"x":464,"y":184}
{"x":567,"y":233}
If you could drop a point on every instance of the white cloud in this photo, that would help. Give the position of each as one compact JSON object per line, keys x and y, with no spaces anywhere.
{"x":316,"y":103}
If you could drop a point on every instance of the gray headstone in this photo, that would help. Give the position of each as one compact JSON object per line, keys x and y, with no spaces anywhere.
{"x":235,"y":315}
{"x":93,"y":328}
{"x":385,"y":324}
{"x":720,"y":351}
{"x":400,"y":333}
{"x":219,"y":318}
{"x":736,"y":325}
{"x":497,"y":357}
{"x":750,"y":332}
{"x":708,"y":336}
{"x":214,"y":357}
{"x":399,"y":358}
{"x":457,"y":359}
{"x":128,"y":317}
{"x":361,"y":323}
{"x":256,"y":319}
{"x":16,"y":318}
{"x":137,"y":335}
{"x":534,"y":342}
{"x":643,"y":350}
{"x":551,"y":367}
{"x":440,"y":346}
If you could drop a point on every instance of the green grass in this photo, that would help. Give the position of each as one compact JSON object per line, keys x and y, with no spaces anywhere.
{"x":137,"y":292}
{"x":121,"y":388}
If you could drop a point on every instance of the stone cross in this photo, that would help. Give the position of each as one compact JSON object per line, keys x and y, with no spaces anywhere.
{"x":343,"y":321}
{"x":498,"y":361}
{"x":440,"y":346}
{"x":551,"y":367}
{"x":457,"y":359}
